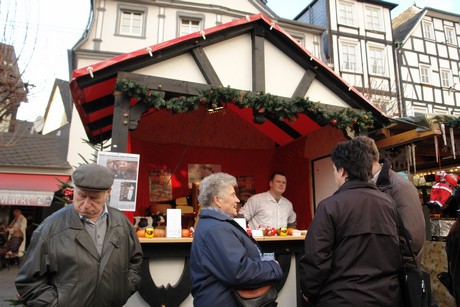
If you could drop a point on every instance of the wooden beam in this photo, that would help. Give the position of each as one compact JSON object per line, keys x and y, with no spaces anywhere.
{"x":258,"y":60}
{"x":404,"y":138}
{"x":120,"y":124}
{"x":179,"y":87}
{"x":304,"y":84}
{"x":205,"y":66}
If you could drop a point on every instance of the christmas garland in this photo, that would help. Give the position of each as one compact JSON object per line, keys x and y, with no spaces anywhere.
{"x":453,"y":122}
{"x":262,"y":104}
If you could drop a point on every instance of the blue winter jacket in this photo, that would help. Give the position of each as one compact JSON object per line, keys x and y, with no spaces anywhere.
{"x":223,"y":257}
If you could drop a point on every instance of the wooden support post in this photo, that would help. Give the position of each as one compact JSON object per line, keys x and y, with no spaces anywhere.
{"x":120,"y":124}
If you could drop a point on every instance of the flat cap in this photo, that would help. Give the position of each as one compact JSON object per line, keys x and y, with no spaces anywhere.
{"x":93,"y":177}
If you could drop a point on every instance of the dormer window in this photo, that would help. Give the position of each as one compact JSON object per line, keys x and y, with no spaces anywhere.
{"x":428,"y":32}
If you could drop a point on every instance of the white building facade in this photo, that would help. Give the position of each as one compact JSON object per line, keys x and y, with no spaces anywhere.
{"x":358,"y":44}
{"x":428,"y":59}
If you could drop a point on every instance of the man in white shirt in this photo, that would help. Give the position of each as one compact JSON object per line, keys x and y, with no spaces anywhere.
{"x":270,"y":208}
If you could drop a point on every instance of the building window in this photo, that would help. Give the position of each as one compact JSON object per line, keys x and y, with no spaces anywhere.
{"x":131,"y":22}
{"x":373,"y":21}
{"x":450,"y":35}
{"x":446,"y":78}
{"x":348,"y":54}
{"x":346,"y":13}
{"x":428,"y":29}
{"x":299,"y":39}
{"x":316,"y":47}
{"x":189,"y":25}
{"x":425,"y":74}
{"x":376,"y":61}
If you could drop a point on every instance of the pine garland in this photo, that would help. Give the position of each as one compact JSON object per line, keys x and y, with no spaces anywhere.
{"x":263,"y":103}
{"x":453,"y":122}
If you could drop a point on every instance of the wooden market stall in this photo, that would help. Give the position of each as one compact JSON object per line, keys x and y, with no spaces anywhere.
{"x":243,"y":97}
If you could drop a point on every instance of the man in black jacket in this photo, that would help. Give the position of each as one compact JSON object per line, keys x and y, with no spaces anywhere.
{"x":352,"y":254}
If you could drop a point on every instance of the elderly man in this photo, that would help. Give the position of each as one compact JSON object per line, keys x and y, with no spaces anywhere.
{"x":85,"y":254}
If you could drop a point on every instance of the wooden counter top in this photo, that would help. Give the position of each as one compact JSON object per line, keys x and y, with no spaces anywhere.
{"x":186,"y":240}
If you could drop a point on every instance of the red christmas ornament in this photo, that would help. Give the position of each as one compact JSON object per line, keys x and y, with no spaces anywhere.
{"x":334,"y":122}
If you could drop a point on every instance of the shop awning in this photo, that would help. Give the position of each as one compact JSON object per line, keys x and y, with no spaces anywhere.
{"x":29,"y":189}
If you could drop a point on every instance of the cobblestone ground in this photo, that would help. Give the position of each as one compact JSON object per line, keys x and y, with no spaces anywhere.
{"x":7,"y":288}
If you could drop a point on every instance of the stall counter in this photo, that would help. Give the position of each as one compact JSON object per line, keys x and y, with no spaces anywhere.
{"x":166,"y":270}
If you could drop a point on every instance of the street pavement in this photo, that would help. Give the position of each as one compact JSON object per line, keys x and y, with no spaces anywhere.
{"x":7,"y":288}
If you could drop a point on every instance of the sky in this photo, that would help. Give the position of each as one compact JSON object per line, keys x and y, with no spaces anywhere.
{"x":43,"y":30}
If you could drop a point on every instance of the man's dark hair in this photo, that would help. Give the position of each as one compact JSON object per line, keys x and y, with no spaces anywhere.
{"x":276,"y":173}
{"x":355,"y":157}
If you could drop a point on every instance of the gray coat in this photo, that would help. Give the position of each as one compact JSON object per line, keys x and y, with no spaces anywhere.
{"x":352,"y":255}
{"x":405,"y":195}
{"x":63,"y":268}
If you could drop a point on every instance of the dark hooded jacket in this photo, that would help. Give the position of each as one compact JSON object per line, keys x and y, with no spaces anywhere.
{"x":62,"y":266}
{"x":405,"y":195}
{"x":352,"y":255}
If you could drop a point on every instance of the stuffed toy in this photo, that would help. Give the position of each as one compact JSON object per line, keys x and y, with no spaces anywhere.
{"x":158,"y":219}
{"x":443,"y":189}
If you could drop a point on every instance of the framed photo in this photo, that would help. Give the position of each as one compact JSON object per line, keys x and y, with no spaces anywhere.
{"x":196,"y":172}
{"x":160,"y":185}
{"x":246,"y":186}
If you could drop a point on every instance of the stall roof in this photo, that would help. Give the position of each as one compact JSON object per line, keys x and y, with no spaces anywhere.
{"x":93,"y":86}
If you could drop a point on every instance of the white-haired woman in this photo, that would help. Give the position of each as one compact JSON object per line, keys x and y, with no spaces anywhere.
{"x":223,"y":255}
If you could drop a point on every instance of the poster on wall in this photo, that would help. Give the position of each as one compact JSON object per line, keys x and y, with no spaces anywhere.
{"x":125,"y":166}
{"x":196,"y":172}
{"x":160,"y":185}
{"x":246,"y":186}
